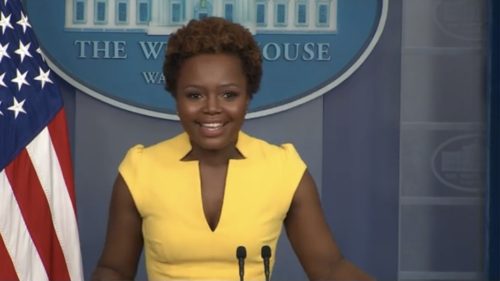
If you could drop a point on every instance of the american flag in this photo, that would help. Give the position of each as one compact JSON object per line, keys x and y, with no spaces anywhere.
{"x":38,"y":230}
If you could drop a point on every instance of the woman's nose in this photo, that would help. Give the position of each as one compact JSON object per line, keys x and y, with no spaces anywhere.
{"x":212,"y":105}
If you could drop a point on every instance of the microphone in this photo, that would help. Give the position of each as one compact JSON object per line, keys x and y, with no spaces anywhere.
{"x":265,"y":252}
{"x":241,"y":254}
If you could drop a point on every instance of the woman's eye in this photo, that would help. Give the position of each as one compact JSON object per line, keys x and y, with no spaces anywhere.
{"x":230,"y":95}
{"x":193,"y":95}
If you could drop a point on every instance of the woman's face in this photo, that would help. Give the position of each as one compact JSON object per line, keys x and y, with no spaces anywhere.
{"x":212,"y":100}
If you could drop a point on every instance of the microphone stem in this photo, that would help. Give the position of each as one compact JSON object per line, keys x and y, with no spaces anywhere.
{"x":242,"y":270}
{"x":266,"y":269}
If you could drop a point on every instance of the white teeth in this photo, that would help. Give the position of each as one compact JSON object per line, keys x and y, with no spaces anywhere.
{"x":211,"y":125}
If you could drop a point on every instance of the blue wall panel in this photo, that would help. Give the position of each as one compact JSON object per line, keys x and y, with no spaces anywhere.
{"x":493,"y":205}
{"x":361,"y":148}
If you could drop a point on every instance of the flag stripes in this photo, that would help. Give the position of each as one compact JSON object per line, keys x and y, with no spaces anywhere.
{"x":8,"y":272}
{"x":16,"y":237}
{"x":58,"y":131}
{"x":46,"y":164}
{"x":35,"y":209}
{"x":45,"y":205}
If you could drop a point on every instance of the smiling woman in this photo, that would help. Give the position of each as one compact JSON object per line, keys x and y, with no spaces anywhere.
{"x":195,"y":200}
{"x":212,"y":107}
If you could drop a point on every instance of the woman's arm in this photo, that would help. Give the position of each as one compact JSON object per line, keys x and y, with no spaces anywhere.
{"x":124,"y":242}
{"x":312,"y":240}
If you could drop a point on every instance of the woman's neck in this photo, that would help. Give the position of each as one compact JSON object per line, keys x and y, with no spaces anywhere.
{"x":213,"y":157}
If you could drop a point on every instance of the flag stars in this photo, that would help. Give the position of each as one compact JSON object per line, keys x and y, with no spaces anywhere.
{"x":23,"y":50}
{"x":24,"y":22}
{"x":3,"y":51}
{"x":20,"y":79}
{"x":1,"y":113}
{"x":43,"y":77}
{"x":5,"y":22}
{"x":2,"y":83}
{"x":17,"y":107}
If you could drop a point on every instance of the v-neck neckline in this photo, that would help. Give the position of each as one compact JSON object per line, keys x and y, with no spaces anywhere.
{"x":225,"y":194}
{"x":194,"y":166}
{"x":183,"y":148}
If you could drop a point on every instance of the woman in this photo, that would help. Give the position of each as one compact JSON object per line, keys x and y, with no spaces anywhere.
{"x":194,"y":199}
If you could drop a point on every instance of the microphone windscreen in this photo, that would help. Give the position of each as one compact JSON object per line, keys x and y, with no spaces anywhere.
{"x":265,"y":252}
{"x":241,"y":252}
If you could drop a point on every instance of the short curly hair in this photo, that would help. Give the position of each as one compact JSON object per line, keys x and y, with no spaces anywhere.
{"x":212,"y":35}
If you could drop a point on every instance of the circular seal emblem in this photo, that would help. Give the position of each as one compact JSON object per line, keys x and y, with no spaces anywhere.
{"x":113,"y":49}
{"x":460,"y":19}
{"x":457,"y":163}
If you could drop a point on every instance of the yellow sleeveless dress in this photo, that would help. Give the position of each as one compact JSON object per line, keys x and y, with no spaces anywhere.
{"x":178,"y":242}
